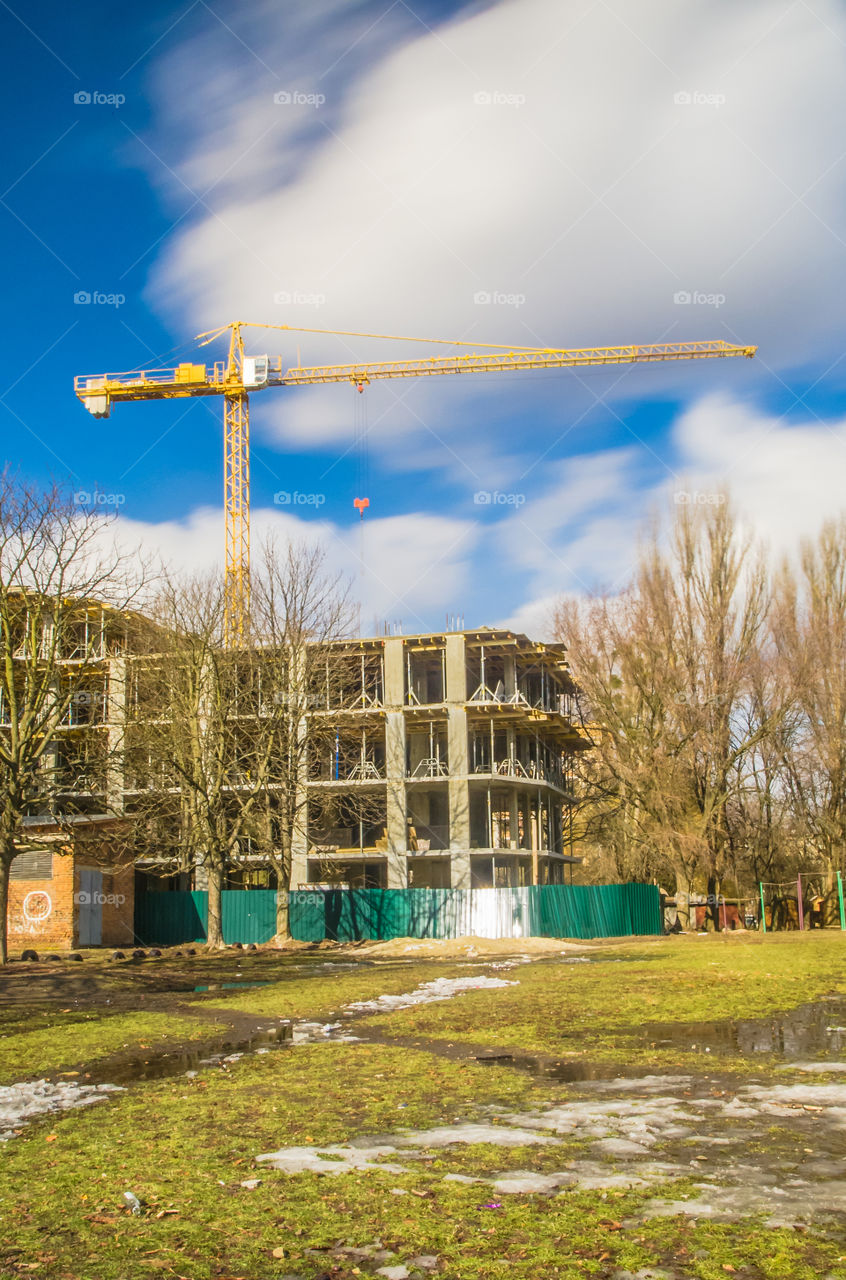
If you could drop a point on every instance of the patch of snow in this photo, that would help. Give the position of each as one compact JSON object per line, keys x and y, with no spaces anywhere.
{"x":497,"y":1134}
{"x":335,"y":1159}
{"x":523,"y":1181}
{"x":783,"y":1205}
{"x":426,"y":993}
{"x":815,"y":1067}
{"x":20,"y":1103}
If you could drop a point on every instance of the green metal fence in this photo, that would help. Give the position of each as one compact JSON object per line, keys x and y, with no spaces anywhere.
{"x":349,"y":915}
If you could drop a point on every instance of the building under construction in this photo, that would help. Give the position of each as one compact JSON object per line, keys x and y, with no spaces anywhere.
{"x":441,"y":760}
{"x":450,"y":765}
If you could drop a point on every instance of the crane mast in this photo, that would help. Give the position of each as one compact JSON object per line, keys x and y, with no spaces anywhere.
{"x":239,"y":375}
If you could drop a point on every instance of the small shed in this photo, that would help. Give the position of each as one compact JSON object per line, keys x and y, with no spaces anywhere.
{"x":73,"y":887}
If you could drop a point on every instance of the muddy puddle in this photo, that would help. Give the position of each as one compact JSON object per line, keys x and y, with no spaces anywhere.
{"x":229,"y":986}
{"x":561,"y":1072}
{"x":218,"y":1053}
{"x":815,"y":1030}
{"x":810,"y":1033}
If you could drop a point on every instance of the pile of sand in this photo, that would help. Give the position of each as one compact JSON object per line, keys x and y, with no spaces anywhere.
{"x":471,"y":947}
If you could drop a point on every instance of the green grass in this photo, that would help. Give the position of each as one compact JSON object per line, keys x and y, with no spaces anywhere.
{"x":318,"y":994}
{"x":608,"y":1011}
{"x":183,"y":1147}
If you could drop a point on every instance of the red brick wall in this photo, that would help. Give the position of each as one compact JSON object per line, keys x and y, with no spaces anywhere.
{"x":41,"y":912}
{"x":119,"y":907}
{"x":44,"y":914}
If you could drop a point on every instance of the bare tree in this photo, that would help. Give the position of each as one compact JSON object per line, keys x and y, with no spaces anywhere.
{"x":301,"y":610}
{"x":196,"y":764}
{"x":665,"y":673}
{"x":810,"y":631}
{"x":62,"y":580}
{"x":219,"y":753}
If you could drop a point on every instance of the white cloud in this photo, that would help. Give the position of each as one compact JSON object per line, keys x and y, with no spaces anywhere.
{"x":407,"y":568}
{"x":584,"y":193}
{"x":577,"y":531}
{"x":785,"y":479}
{"x":596,"y":198}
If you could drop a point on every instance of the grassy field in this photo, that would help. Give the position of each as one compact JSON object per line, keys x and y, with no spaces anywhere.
{"x":608,"y":1011}
{"x":184,"y":1145}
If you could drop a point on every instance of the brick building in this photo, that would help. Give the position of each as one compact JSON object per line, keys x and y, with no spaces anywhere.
{"x":70,"y":890}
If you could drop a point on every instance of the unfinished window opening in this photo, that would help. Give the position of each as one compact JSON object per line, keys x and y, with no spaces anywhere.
{"x":79,"y":765}
{"x":86,"y":702}
{"x":349,"y":757}
{"x":83,"y":638}
{"x":353,"y":680}
{"x":427,"y":824}
{"x":347,"y":874}
{"x":428,"y":873}
{"x":344,"y":823}
{"x":486,"y":676}
{"x":426,"y":752}
{"x":425,"y":676}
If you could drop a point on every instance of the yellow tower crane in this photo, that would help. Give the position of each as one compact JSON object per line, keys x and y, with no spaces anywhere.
{"x":240,"y":374}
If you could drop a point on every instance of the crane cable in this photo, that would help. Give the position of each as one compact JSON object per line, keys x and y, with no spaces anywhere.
{"x":362,"y":450}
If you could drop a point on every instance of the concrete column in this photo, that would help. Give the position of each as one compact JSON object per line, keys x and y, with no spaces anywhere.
{"x":510,"y":679}
{"x":394,"y":672}
{"x":456,"y":669}
{"x":459,"y":798}
{"x":395,"y":795}
{"x":514,"y":819}
{"x":458,"y":758}
{"x":116,"y":721}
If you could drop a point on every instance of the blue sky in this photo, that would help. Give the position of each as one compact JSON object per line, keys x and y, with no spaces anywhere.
{"x":528,"y":172}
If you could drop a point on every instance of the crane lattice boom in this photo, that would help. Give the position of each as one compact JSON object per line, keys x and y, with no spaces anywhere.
{"x":239,"y":375}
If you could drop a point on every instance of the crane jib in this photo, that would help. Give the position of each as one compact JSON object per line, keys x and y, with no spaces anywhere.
{"x":240,"y":374}
{"x":98,"y":391}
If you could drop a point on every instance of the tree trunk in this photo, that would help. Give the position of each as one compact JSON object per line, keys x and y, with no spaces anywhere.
{"x":283,"y":923}
{"x":5,"y":868}
{"x":713,"y":924}
{"x":214,"y":928}
{"x":683,"y":900}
